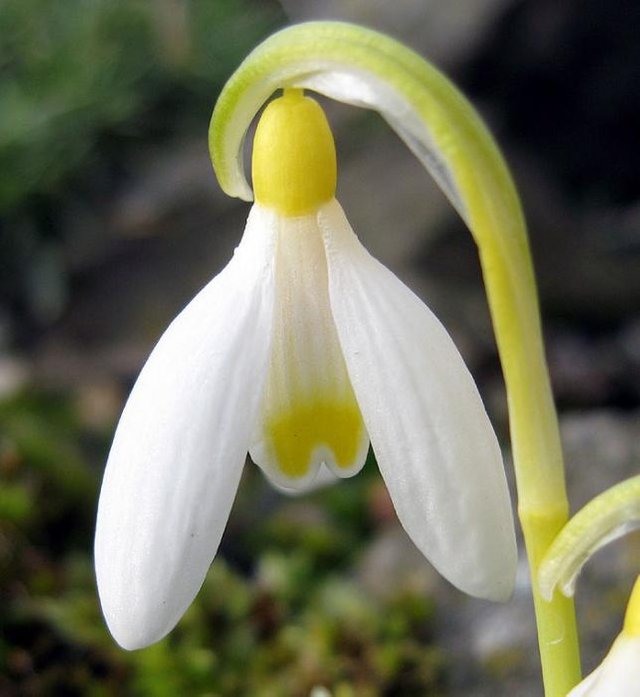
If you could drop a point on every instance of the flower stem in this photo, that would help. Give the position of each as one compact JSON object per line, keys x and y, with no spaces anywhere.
{"x":537,"y":454}
{"x":557,"y":636}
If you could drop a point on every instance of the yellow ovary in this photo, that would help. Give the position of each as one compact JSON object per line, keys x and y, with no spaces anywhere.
{"x":294,"y":157}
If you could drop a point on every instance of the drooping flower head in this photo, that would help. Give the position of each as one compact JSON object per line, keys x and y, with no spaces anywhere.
{"x":302,"y":352}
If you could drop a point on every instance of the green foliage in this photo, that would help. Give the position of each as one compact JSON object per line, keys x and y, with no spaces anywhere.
{"x":64,"y":75}
{"x":73,"y":70}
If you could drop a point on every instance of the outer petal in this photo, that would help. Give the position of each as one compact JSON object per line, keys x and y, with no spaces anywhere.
{"x":182,"y":440}
{"x":432,"y":438}
{"x":618,"y":675}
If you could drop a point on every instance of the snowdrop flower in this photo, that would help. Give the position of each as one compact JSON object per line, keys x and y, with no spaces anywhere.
{"x":302,"y":352}
{"x":619,"y":674}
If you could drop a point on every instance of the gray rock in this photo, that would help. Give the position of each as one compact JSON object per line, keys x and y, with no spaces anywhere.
{"x":601,"y":449}
{"x":14,"y":374}
{"x":395,"y":207}
{"x":392,"y":564}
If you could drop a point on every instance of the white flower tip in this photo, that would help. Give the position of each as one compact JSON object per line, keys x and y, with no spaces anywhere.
{"x":495,"y":579}
{"x":502,"y":589}
{"x":137,"y":614}
{"x":135,"y":629}
{"x":131,"y":636}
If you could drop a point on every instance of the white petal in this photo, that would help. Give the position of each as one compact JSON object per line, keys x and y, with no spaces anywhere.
{"x":180,"y":446}
{"x":430,"y":433}
{"x":309,"y":414}
{"x":618,"y":675}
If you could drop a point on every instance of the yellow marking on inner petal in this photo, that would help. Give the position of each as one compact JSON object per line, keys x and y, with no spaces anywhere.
{"x":296,"y":434}
{"x":294,"y":156}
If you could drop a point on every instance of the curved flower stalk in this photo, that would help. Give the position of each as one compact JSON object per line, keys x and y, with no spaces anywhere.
{"x":367,"y":69}
{"x":301,"y":351}
{"x":604,"y":519}
{"x":619,"y":673}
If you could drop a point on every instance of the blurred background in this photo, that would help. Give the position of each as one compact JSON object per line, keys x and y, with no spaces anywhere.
{"x":111,"y":219}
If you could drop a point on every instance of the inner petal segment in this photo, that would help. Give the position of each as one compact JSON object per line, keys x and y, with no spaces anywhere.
{"x":309,"y":412}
